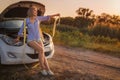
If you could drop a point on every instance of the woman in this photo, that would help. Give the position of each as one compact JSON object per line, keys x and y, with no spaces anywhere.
{"x":34,"y":38}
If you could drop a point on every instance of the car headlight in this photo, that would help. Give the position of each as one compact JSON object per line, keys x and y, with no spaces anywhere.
{"x":48,"y":49}
{"x":11,"y":55}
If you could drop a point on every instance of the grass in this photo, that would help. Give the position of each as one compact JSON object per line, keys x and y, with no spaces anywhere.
{"x":110,"y":49}
{"x":70,"y":36}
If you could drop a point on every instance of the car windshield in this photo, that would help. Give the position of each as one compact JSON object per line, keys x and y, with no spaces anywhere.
{"x":11,"y":24}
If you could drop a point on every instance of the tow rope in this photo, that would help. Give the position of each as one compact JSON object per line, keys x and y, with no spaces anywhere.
{"x":24,"y":32}
{"x":55,"y":24}
{"x":24,"y":41}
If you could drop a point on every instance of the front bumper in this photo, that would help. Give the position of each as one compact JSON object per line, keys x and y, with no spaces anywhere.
{"x":15,"y":55}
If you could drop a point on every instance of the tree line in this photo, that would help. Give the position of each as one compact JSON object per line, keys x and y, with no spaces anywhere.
{"x":86,"y":17}
{"x":99,"y":25}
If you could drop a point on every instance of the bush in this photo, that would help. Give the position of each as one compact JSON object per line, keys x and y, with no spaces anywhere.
{"x":82,"y":22}
{"x":66,"y":28}
{"x":67,"y":21}
{"x":105,"y":30}
{"x":104,"y":40}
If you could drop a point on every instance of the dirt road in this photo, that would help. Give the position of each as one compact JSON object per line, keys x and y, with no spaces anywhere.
{"x":69,"y":64}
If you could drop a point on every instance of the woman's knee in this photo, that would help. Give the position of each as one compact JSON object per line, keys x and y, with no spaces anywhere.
{"x":41,"y":50}
{"x":37,"y":47}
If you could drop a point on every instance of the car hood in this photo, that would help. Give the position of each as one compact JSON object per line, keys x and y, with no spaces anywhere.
{"x":19,"y":9}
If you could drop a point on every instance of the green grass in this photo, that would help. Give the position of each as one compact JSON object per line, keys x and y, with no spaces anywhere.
{"x":70,"y":36}
{"x":111,"y":49}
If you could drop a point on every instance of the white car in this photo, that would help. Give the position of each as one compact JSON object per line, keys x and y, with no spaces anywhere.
{"x":10,"y":22}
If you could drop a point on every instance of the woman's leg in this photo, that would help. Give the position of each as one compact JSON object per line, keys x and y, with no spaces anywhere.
{"x":45,"y":60}
{"x":41,"y":56}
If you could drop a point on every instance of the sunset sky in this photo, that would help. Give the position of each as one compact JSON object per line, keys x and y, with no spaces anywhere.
{"x":68,"y":7}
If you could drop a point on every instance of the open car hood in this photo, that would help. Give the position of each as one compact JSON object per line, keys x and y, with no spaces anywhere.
{"x":19,"y":9}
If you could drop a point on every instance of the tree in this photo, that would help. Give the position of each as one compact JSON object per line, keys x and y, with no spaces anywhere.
{"x":85,"y":17}
{"x":84,"y":12}
{"x":108,"y":19}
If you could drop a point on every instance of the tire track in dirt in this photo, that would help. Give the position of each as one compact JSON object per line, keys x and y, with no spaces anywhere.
{"x":89,"y":62}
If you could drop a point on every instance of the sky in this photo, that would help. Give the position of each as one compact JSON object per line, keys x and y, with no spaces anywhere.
{"x":68,"y":7}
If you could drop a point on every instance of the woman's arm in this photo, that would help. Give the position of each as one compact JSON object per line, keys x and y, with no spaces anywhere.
{"x":20,"y":33}
{"x":46,"y":18}
{"x":52,"y":16}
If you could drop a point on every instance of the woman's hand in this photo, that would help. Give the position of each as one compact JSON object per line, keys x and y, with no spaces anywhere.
{"x":58,"y":14}
{"x":17,"y":39}
{"x":54,"y":15}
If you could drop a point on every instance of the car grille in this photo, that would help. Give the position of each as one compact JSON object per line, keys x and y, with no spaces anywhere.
{"x":35,"y":56}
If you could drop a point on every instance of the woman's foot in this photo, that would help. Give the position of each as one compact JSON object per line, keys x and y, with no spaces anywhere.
{"x":44,"y":72}
{"x":50,"y":73}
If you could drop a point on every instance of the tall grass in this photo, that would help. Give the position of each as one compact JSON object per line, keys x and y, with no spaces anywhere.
{"x":71,"y":36}
{"x":106,"y":30}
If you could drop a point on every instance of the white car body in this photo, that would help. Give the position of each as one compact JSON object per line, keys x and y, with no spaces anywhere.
{"x":20,"y":54}
{"x":17,"y":53}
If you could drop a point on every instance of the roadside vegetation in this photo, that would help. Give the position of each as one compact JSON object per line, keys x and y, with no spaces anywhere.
{"x":99,"y":33}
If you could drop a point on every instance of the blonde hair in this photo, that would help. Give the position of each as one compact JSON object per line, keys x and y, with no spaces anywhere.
{"x":29,"y":12}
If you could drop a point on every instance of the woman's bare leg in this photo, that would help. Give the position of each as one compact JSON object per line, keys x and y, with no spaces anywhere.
{"x":41,"y":56}
{"x":45,"y":60}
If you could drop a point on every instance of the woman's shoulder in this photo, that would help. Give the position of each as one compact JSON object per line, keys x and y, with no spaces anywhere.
{"x":27,"y":19}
